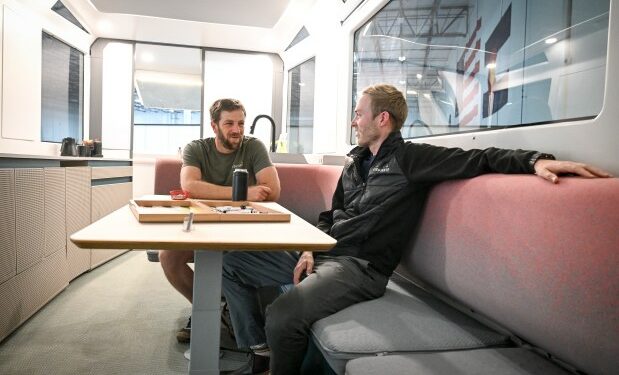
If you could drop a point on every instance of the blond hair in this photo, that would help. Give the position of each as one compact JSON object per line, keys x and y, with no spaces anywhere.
{"x":386,"y":98}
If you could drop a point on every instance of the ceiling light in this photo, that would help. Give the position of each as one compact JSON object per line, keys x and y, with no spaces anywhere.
{"x":551,"y":40}
{"x":419,"y":76}
{"x":427,"y":96}
{"x":402,"y":58}
{"x":402,"y":82}
{"x":491,"y":66}
{"x":411,"y":92}
{"x":301,"y":84}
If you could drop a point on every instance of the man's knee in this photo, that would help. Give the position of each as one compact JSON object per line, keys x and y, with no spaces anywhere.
{"x":173,"y":259}
{"x":235,"y":261}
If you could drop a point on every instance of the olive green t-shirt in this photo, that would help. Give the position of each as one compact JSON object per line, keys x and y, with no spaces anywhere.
{"x":217,"y":168}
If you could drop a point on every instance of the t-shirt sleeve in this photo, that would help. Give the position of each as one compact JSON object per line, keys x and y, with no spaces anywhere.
{"x":190,"y":155}
{"x":260,"y":156}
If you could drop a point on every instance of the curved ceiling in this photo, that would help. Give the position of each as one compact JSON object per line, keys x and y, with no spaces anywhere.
{"x":257,"y":13}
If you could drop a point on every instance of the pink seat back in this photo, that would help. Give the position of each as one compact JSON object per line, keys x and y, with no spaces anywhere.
{"x":307,"y":189}
{"x":167,"y":175}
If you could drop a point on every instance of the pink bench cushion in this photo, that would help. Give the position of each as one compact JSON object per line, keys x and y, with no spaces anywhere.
{"x":307,"y":189}
{"x":167,"y":175}
{"x":540,"y":259}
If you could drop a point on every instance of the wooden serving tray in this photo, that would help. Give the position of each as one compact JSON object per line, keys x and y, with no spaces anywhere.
{"x":171,"y":211}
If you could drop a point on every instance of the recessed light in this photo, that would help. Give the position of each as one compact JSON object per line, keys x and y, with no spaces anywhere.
{"x":491,"y":66}
{"x":402,"y":58}
{"x":419,"y":76}
{"x":551,"y":40}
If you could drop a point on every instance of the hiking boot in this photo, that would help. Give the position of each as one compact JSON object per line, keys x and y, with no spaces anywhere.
{"x":183,"y":336}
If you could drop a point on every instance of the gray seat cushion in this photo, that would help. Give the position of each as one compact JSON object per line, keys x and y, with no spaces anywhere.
{"x":504,"y":361}
{"x":405,"y":319}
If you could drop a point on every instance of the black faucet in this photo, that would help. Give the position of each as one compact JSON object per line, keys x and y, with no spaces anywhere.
{"x":253,"y":127}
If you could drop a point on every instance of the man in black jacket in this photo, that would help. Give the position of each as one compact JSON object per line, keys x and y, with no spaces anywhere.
{"x":379,"y":197}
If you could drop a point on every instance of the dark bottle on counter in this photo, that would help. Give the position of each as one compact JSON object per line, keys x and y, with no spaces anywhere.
{"x":239,"y":185}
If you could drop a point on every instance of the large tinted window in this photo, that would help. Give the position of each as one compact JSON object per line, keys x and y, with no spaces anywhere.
{"x":471,"y":65}
{"x":62,"y":91}
{"x":166,"y":98}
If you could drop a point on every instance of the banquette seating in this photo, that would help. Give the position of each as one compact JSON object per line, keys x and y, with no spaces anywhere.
{"x":505,"y":274}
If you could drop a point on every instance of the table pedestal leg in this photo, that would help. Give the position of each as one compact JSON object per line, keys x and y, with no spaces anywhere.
{"x":205,"y":323}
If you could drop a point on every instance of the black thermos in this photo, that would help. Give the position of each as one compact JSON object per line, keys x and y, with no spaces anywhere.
{"x":239,"y":185}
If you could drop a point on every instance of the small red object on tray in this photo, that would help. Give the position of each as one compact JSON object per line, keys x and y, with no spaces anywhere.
{"x":179,"y":194}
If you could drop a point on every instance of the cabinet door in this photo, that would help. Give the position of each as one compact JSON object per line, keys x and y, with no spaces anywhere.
{"x":106,"y":199}
{"x":8,"y":258}
{"x":77,"y":216}
{"x":55,"y":202}
{"x":29,"y":216}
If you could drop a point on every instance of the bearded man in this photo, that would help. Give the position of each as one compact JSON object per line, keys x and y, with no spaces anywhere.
{"x":207,"y":170}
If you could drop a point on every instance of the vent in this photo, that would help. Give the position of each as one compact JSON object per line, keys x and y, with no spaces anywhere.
{"x":66,"y":14}
{"x":302,"y":34}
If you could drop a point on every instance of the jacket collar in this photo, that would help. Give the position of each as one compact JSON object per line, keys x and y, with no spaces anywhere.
{"x":393,"y":140}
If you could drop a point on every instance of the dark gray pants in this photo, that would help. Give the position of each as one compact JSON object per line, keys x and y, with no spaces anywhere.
{"x":243,"y":272}
{"x":337,"y":282}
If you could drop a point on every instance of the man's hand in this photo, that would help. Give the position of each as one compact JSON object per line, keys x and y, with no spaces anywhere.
{"x":304,"y":265}
{"x":258,"y":193}
{"x":550,"y":169}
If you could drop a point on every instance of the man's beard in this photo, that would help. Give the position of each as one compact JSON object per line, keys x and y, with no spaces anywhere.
{"x":227,"y":144}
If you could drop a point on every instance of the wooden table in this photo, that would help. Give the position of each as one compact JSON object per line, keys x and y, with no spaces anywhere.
{"x":121,"y":230}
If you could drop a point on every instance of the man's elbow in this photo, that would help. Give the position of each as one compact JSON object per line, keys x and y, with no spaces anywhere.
{"x":189,"y":187}
{"x":274,"y":196}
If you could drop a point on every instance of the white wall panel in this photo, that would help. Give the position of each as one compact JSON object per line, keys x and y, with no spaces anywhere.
{"x":116,"y":101}
{"x":21,"y":77}
{"x":246,"y":77}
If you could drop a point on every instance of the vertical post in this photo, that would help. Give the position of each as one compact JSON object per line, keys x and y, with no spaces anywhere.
{"x":205,"y":315}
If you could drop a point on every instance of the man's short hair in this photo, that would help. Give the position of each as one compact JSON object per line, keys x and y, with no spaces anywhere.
{"x":227,"y":105}
{"x":386,"y":98}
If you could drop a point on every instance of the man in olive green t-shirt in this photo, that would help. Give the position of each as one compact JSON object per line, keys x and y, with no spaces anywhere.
{"x":207,"y":173}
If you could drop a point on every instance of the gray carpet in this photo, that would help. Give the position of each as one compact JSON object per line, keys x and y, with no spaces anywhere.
{"x":120,"y":318}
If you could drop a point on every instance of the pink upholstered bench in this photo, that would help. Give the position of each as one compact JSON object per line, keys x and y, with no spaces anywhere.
{"x":537,"y":262}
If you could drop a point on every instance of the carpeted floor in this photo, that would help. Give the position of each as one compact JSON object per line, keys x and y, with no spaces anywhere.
{"x":120,"y":318}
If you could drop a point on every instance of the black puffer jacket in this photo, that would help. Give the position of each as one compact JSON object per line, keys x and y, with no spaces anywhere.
{"x":373,"y":219}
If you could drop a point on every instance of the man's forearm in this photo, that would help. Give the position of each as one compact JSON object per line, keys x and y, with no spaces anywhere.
{"x":206,"y":190}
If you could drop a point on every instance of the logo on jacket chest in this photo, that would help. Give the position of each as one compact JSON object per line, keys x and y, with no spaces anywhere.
{"x":381,"y":169}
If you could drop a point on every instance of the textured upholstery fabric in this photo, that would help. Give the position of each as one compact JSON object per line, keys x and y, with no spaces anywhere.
{"x":405,"y":319}
{"x":307,"y":189}
{"x":540,"y":259}
{"x":503,"y":361}
{"x":167,"y":175}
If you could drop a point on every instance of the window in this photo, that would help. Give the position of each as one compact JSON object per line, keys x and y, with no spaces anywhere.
{"x":62,"y":91}
{"x":301,"y":108}
{"x":166,"y":98}
{"x":479,"y":64}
